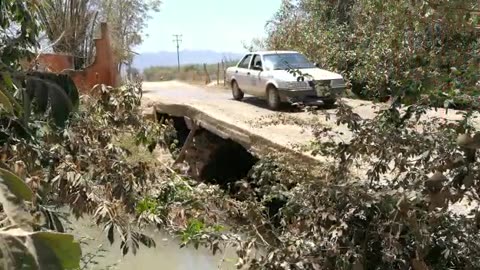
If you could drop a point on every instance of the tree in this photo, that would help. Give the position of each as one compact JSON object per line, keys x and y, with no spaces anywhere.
{"x":18,"y":31}
{"x":387,"y":47}
{"x":70,"y":25}
{"x":256,"y":44}
{"x":24,"y":245}
{"x":19,"y":90}
{"x":127,"y":20}
{"x":132,"y":72}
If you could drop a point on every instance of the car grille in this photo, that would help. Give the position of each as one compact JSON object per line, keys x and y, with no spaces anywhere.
{"x":322,"y":82}
{"x":299,"y":85}
{"x":337,"y":83}
{"x":328,"y":87}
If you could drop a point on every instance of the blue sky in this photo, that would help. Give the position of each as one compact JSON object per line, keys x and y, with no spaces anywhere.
{"x":218,"y":25}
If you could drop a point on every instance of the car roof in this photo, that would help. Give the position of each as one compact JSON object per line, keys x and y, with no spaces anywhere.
{"x":272,"y":52}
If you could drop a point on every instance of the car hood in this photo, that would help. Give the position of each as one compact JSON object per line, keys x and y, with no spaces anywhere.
{"x":316,"y":73}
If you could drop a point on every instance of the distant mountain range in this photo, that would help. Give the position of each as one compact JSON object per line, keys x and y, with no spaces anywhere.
{"x":164,"y":58}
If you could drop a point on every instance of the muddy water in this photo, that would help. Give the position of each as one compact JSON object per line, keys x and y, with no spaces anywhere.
{"x":167,"y":255}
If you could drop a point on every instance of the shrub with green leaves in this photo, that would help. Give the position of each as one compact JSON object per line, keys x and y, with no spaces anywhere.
{"x":412,"y":48}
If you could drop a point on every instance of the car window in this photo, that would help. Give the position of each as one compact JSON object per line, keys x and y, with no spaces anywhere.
{"x":287,"y":60}
{"x":245,"y":62}
{"x":257,"y":61}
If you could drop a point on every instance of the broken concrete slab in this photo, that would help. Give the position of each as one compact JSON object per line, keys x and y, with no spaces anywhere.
{"x":254,"y":143}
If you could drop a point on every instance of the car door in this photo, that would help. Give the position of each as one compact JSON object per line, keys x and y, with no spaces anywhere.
{"x":242,"y":74}
{"x":255,"y":77}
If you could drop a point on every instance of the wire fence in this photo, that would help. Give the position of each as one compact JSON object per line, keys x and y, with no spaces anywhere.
{"x":198,"y":73}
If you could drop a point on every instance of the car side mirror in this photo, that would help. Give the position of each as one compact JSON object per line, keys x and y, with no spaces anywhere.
{"x":258,"y":67}
{"x":316,"y":65}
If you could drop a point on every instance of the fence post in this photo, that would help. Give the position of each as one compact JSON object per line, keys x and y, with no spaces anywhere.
{"x":224,"y":74}
{"x":218,"y":73}
{"x":207,"y":76}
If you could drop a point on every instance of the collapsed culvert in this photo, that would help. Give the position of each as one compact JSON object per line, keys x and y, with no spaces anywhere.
{"x":273,"y":207}
{"x":230,"y":162}
{"x":210,"y":158}
{"x":213,"y":159}
{"x":216,"y":160}
{"x":179,"y":133}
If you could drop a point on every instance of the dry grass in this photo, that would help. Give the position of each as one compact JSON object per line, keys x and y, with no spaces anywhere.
{"x":138,"y":153}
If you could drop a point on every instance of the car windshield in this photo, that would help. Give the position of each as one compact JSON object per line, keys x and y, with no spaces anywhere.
{"x":280,"y":61}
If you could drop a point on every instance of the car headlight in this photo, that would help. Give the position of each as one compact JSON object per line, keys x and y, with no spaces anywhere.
{"x":337,"y":83}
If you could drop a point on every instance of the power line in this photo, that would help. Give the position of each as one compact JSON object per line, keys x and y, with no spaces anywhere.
{"x":178,"y":40}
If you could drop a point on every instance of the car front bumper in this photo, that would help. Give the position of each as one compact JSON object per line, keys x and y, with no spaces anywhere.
{"x":309,"y":95}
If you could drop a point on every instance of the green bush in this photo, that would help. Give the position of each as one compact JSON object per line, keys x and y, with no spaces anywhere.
{"x":388,"y":47}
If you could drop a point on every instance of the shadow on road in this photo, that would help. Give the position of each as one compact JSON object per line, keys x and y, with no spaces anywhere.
{"x":286,"y":107}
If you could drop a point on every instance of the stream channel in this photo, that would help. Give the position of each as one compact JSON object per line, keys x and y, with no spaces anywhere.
{"x":166,"y":256}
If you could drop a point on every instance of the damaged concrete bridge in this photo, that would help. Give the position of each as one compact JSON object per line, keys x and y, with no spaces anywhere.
{"x":211,"y":125}
{"x":196,"y":108}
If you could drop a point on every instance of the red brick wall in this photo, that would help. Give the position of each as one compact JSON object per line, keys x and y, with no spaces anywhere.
{"x":102,"y":71}
{"x":55,"y":62}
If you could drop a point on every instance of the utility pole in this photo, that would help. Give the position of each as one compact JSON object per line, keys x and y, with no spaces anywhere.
{"x":177,"y":40}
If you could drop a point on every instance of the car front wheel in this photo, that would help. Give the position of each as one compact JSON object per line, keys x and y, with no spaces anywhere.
{"x":273,"y":98}
{"x":329,"y":103}
{"x":236,"y":92}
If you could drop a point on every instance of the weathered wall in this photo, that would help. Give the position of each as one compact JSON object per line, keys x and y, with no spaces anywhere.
{"x":54,"y":62}
{"x":103,"y":70}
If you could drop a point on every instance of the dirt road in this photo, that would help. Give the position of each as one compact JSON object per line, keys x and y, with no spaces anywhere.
{"x":285,"y":127}
{"x":218,"y":103}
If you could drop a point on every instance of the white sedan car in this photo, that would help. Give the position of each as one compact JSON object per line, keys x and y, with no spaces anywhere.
{"x":284,"y":76}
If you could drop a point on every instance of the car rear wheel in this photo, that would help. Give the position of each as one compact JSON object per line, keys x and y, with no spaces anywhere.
{"x":273,"y":98}
{"x":236,"y":92}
